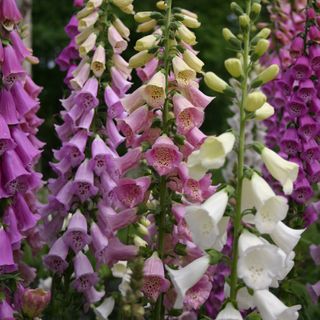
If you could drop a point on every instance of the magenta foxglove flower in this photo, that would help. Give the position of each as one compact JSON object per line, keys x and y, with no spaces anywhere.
{"x":7,"y":263}
{"x":99,"y":241}
{"x":9,"y":14}
{"x":6,"y":310}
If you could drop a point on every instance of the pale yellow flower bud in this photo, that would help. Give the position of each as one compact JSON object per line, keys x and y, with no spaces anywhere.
{"x":98,"y":64}
{"x":214,"y":82}
{"x":142,"y":230}
{"x":94,"y":4}
{"x":87,"y":45}
{"x":139,"y":242}
{"x":255,"y":101}
{"x":122,"y":3}
{"x":147,"y":26}
{"x":84,"y":12}
{"x":265,"y":112}
{"x":88,"y":21}
{"x":128,"y":9}
{"x":266,"y":75}
{"x":183,"y":73}
{"x":192,"y":60}
{"x":189,"y":21}
{"x":261,"y":47}
{"x":140,"y":59}
{"x":234,"y":67}
{"x":146,"y":43}
{"x":186,"y":35}
{"x":189,"y":13}
{"x":121,"y":28}
{"x":81,"y":37}
{"x":161,"y":5}
{"x":244,"y":21}
{"x":143,"y":16}
{"x":264,"y":33}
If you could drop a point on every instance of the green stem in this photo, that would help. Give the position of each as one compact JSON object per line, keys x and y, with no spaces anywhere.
{"x":163,"y":181}
{"x":240,"y":167}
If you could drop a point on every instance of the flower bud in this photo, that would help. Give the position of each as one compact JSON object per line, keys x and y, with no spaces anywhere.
{"x":186,"y":35}
{"x":143,"y":16}
{"x":121,"y":28}
{"x":142,"y":230}
{"x":263,"y":34}
{"x":234,"y":67}
{"x":139,"y":242}
{"x":255,"y":11}
{"x":266,"y":75}
{"x":265,"y":112}
{"x":140,"y":59}
{"x":146,"y":43}
{"x":122,"y":3}
{"x":231,"y":38}
{"x":236,"y":9}
{"x":147,"y":26}
{"x":34,"y":301}
{"x":161,"y":5}
{"x":244,"y":21}
{"x":216,"y":84}
{"x":189,"y":22}
{"x":255,"y":101}
{"x":261,"y":48}
{"x":192,"y":60}
{"x":128,"y":9}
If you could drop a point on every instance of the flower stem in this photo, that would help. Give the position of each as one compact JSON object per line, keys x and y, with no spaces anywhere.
{"x":240,"y":166}
{"x":163,"y":181}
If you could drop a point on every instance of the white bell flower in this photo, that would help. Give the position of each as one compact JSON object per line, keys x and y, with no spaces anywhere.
{"x":271,"y":308}
{"x":229,"y":313}
{"x":186,"y":277}
{"x":105,"y":309}
{"x":204,"y":221}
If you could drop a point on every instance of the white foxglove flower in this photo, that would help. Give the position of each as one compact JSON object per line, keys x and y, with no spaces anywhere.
{"x":284,"y":171}
{"x":105,"y":309}
{"x":271,"y":308}
{"x":229,"y":313}
{"x":285,"y":237}
{"x":195,"y":169}
{"x":203,"y":220}
{"x":270,"y":208}
{"x":259,"y":262}
{"x":244,"y":299}
{"x":289,"y":264}
{"x":185,"y":278}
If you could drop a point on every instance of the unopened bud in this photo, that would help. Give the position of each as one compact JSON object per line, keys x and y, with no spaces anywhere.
{"x":216,"y":84}
{"x":34,"y":301}
{"x":161,"y":5}
{"x":255,"y":11}
{"x":236,"y":9}
{"x":231,"y":38}
{"x":234,"y":67}
{"x":266,"y":75}
{"x":260,"y":49}
{"x":265,"y":112}
{"x":244,"y":22}
{"x":255,"y":101}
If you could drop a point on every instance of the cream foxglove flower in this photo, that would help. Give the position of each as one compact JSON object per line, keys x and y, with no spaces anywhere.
{"x":154,"y":91}
{"x":143,"y":16}
{"x":183,"y":73}
{"x":192,"y":60}
{"x":146,"y":42}
{"x":147,"y":26}
{"x":87,"y":45}
{"x":186,"y":35}
{"x":98,"y":64}
{"x":285,"y":237}
{"x":88,"y":21}
{"x":271,"y":308}
{"x":265,"y":112}
{"x":229,"y":313}
{"x":284,"y":171}
{"x":271,"y":208}
{"x":186,"y":277}
{"x":105,"y":309}
{"x":205,"y":220}
{"x":121,"y":28}
{"x":195,"y":169}
{"x":259,"y":262}
{"x":140,"y":59}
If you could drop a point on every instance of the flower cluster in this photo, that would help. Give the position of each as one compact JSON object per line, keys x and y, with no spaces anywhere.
{"x":19,"y":153}
{"x":295,"y":98}
{"x":91,"y":199}
{"x":258,"y":212}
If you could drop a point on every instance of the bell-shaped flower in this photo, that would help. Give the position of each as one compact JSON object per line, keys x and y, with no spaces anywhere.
{"x":270,"y":208}
{"x":10,"y":220}
{"x":86,"y":98}
{"x":197,"y":97}
{"x":77,"y":236}
{"x":9,"y":14}
{"x":186,"y":35}
{"x":98,"y":63}
{"x":146,"y":42}
{"x":314,"y":291}
{"x":80,"y":75}
{"x":164,"y":156}
{"x":140,"y":59}
{"x":85,"y":276}
{"x":87,"y":45}
{"x":259,"y":262}
{"x":6,"y":258}
{"x":183,"y":73}
{"x":229,"y":313}
{"x":8,"y":110}
{"x":6,"y":142}
{"x":55,"y":260}
{"x":113,"y":102}
{"x":116,"y":41}
{"x":99,"y":241}
{"x":284,"y":171}
{"x":285,"y":237}
{"x":186,"y":277}
{"x":271,"y":308}
{"x":205,"y":220}
{"x":88,"y":21}
{"x":119,"y":81}
{"x":92,"y":296}
{"x":154,"y":281}
{"x":154,"y":91}
{"x":105,"y":309}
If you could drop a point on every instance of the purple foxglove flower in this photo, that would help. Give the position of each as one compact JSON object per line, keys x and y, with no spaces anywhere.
{"x":11,"y":69}
{"x":9,"y":14}
{"x":302,"y":191}
{"x":315,"y":253}
{"x":154,"y":281}
{"x":301,"y":69}
{"x":92,"y":296}
{"x":314,"y":292}
{"x":84,"y":182}
{"x":164,"y":156}
{"x":99,"y":241}
{"x":87,"y":96}
{"x":310,"y":215}
{"x":115,"y":138}
{"x":134,"y":100}
{"x":64,"y":196}
{"x":21,"y":51}
{"x":10,"y":220}
{"x":196,"y":137}
{"x":129,"y":160}
{"x":117,"y":251}
{"x":290,"y":142}
{"x":119,"y":82}
{"x":198,"y":191}
{"x":135,"y":123}
{"x":314,"y":53}
{"x":6,"y":310}
{"x":131,"y":192}
{"x":77,"y":236}
{"x":279,"y":100}
{"x":15,"y":177}
{"x":8,"y":109}
{"x":6,"y":142}
{"x":314,"y":33}
{"x":306,"y":90}
{"x":85,"y":276}
{"x":198,"y":98}
{"x":26,"y":219}
{"x":85,"y":120}
{"x":315,"y":105}
{"x":111,"y":99}
{"x":6,"y":258}
{"x":149,"y":70}
{"x":50,"y":229}
{"x":116,"y":41}
{"x":313,"y":171}
{"x":297,"y":47}
{"x":55,"y":260}
{"x":78,"y":3}
{"x":106,"y":187}
{"x":111,"y":220}
{"x":296,"y":107}
{"x":187,"y":115}
{"x":81,"y":75}
{"x":71,"y":29}
{"x":34,"y":302}
{"x":307,"y":127}
{"x":310,"y":150}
